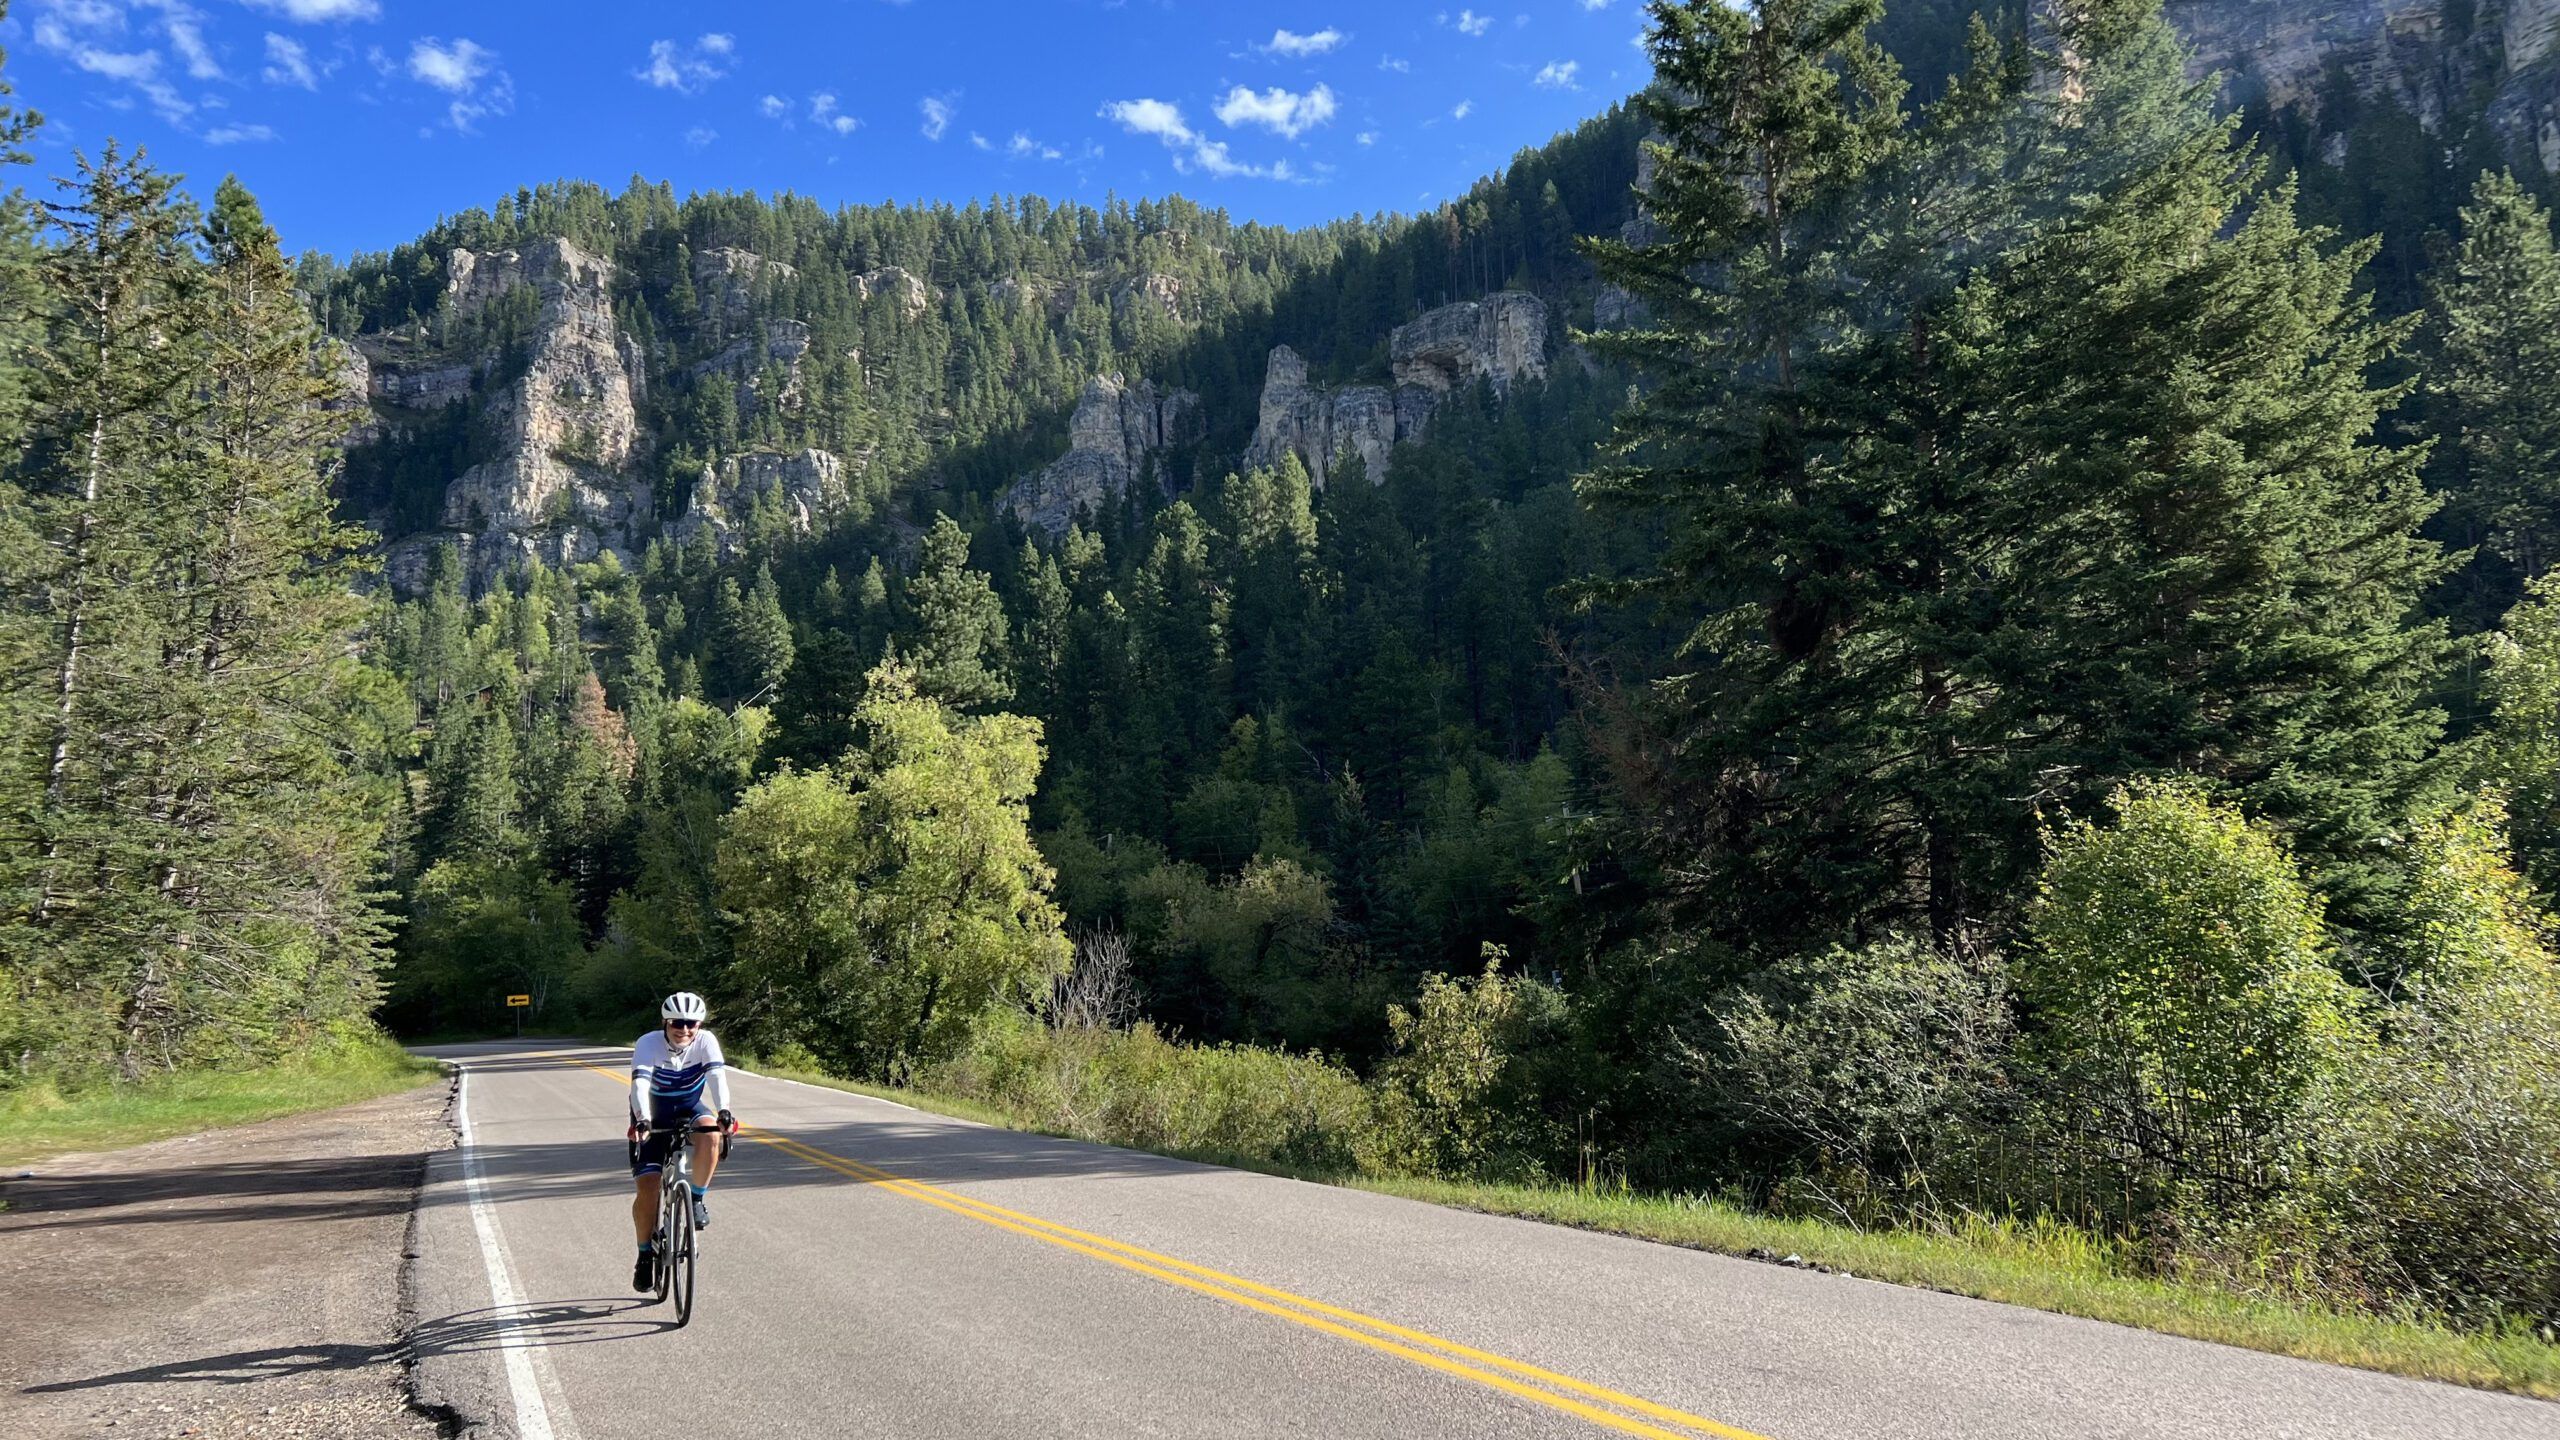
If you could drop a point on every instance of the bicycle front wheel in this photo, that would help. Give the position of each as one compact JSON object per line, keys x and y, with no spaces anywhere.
{"x":680,"y":1263}
{"x":666,"y":1243}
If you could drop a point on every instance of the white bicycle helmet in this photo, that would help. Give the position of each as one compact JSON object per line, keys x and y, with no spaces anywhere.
{"x":684,"y":1005}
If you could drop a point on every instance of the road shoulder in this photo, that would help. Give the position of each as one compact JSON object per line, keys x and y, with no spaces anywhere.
{"x":243,"y":1282}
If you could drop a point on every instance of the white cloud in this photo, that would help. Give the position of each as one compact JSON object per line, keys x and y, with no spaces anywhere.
{"x":1595,"y":4}
{"x":137,"y":68}
{"x":239,"y":134}
{"x":822,"y":109}
{"x":92,"y":36}
{"x":1151,"y":117}
{"x":1465,"y":108}
{"x":1367,"y":137}
{"x":1558,"y":75}
{"x":981,"y":141}
{"x":315,"y":12}
{"x":1471,"y":23}
{"x":773,"y":106}
{"x":288,"y":64}
{"x":687,"y":72}
{"x":185,"y":29}
{"x":1191,"y":150}
{"x":1278,"y":110}
{"x":937,"y":111}
{"x":699,"y":136}
{"x":498,"y":99}
{"x":1389,"y":62}
{"x":459,"y":70}
{"x":1297,"y":46}
{"x":1023,"y":147}
{"x":455,"y":69}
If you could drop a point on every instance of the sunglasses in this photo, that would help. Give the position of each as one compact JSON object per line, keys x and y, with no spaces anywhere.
{"x":684,"y":1024}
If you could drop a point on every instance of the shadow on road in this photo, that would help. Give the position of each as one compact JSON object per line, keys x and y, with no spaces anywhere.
{"x":911,"y":1147}
{"x":299,"y":1189}
{"x":539,"y":1324}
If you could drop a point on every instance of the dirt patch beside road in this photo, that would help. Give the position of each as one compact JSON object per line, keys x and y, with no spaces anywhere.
{"x":238,"y":1283}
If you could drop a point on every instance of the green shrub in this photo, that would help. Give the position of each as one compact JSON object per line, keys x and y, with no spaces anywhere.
{"x":1880,"y":1065}
{"x":2186,"y":1008}
{"x":2444,"y":1179}
{"x":1137,"y":1088}
{"x":1459,"y":1090}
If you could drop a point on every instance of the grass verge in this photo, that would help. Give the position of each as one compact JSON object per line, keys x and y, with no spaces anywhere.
{"x":2043,"y":1267}
{"x":2051,"y":1268}
{"x":39,"y":1121}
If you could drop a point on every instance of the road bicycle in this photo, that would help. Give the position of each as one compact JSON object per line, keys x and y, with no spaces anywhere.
{"x":674,"y":1238}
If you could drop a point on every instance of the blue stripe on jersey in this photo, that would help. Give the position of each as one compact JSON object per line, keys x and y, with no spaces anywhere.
{"x":670,"y":1082}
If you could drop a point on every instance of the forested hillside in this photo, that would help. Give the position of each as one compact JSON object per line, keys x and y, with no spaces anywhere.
{"x":1892,"y":642}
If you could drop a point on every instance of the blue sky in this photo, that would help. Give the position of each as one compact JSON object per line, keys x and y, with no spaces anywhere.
{"x":358,"y":122}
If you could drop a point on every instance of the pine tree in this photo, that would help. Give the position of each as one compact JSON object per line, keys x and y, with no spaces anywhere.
{"x":1775,"y":117}
{"x":2215,"y":566}
{"x":764,"y":639}
{"x":2497,"y":321}
{"x":2076,"y":483}
{"x":957,"y":644}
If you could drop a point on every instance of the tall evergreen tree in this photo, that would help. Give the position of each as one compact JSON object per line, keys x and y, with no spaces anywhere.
{"x":957,"y":646}
{"x":2497,"y":320}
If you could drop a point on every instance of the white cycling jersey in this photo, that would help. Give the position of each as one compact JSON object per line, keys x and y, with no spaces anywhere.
{"x":668,"y":1081}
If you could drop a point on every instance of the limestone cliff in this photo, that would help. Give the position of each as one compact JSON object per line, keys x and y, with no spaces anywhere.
{"x":561,"y":487}
{"x":2434,"y":58}
{"x":809,"y":487}
{"x":1497,"y":340}
{"x":1115,"y":428}
{"x":914,"y":297}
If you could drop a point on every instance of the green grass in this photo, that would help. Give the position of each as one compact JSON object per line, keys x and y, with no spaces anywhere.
{"x":2045,"y":1267}
{"x":2049,"y":1267}
{"x":41,"y":1121}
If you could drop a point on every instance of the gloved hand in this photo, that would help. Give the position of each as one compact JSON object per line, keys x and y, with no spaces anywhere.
{"x":728,"y":1123}
{"x":632,"y":1131}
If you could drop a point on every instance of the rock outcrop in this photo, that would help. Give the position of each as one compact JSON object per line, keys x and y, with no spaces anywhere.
{"x":431,"y":388}
{"x":351,"y":376}
{"x":2433,"y":58}
{"x":561,"y":488}
{"x":1115,"y":428}
{"x":780,"y":342}
{"x":1615,"y":307}
{"x":811,"y":486}
{"x":1496,"y":340}
{"x":1154,"y":290}
{"x":725,"y":279}
{"x":913,"y":295}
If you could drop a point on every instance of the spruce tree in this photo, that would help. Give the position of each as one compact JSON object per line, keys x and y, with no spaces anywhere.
{"x":957,"y":644}
{"x":2496,"y":313}
{"x":2214,"y":567}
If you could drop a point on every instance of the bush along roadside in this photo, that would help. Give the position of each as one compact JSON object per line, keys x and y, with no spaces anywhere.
{"x":2165,"y":1109}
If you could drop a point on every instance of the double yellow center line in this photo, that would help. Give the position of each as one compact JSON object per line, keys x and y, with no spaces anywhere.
{"x":1615,"y":1410}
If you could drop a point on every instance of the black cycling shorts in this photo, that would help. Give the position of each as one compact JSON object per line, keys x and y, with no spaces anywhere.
{"x":649,"y":1152}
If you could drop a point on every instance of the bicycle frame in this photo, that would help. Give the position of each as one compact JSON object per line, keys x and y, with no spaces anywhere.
{"x":674,"y":1234}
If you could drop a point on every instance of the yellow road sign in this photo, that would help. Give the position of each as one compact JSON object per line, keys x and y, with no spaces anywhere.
{"x":519,"y":1001}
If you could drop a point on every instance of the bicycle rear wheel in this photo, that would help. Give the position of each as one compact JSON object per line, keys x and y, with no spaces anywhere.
{"x":680,"y":1263}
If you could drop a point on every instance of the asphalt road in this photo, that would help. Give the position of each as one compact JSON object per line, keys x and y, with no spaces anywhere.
{"x":873,"y":1270}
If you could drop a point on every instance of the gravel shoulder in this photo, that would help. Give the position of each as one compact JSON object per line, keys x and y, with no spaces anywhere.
{"x":243,"y":1282}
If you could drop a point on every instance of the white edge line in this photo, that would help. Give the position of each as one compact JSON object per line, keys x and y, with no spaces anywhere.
{"x":533,"y":1419}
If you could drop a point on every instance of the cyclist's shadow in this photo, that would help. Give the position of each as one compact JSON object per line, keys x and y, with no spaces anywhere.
{"x":535,"y":1325}
{"x":529,"y":1326}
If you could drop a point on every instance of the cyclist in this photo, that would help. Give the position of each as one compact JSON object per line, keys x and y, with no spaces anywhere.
{"x":672,"y":1068}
